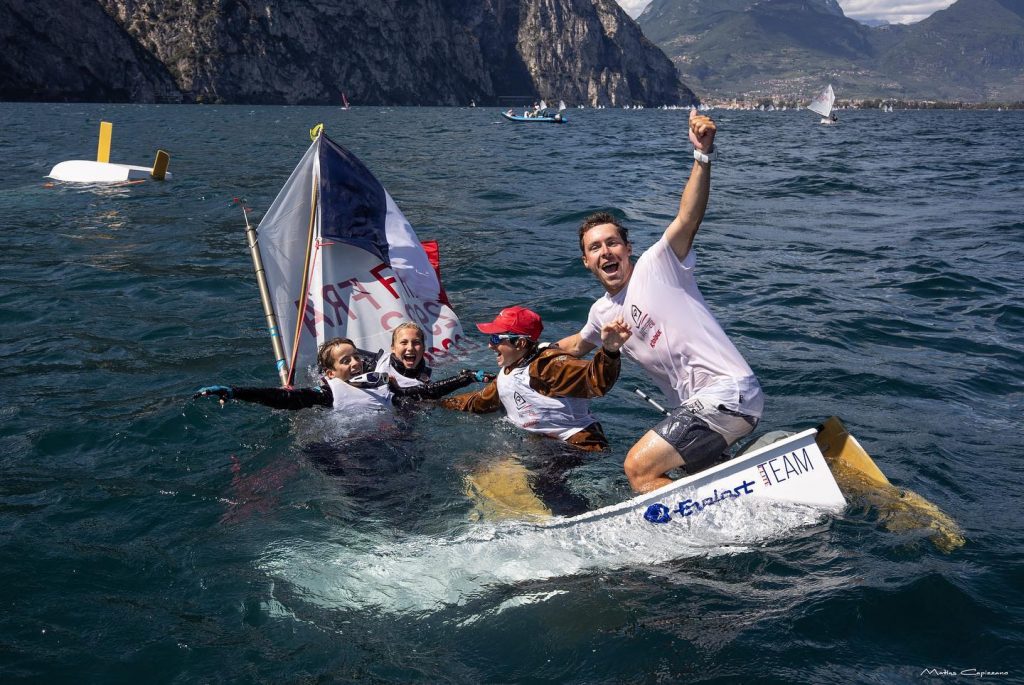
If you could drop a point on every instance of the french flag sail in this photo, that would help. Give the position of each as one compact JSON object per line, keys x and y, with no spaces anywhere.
{"x":340,"y":260}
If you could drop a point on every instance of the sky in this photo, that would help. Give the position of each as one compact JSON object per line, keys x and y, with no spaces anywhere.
{"x":893,"y":11}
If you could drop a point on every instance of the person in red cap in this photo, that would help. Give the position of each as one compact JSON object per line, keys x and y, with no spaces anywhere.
{"x":714,"y":396}
{"x":542,"y":389}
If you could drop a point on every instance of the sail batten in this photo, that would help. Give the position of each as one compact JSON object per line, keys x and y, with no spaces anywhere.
{"x":341,"y":260}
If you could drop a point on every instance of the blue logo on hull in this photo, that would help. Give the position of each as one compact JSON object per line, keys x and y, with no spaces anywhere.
{"x":660,"y":513}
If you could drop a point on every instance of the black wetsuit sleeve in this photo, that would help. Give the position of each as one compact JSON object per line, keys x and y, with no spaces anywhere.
{"x":432,"y":391}
{"x":282,"y":398}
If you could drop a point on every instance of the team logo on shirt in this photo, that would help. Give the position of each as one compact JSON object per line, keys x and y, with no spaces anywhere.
{"x":643,"y":324}
{"x":525,"y":411}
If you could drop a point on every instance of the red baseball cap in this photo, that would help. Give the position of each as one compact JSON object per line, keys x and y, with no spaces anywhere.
{"x":518,"y":320}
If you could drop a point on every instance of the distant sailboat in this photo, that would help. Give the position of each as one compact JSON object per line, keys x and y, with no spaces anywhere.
{"x":344,"y":102}
{"x":822,"y":105}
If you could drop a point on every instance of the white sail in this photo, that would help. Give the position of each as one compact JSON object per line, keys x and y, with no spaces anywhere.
{"x":822,"y":105}
{"x":335,"y":234}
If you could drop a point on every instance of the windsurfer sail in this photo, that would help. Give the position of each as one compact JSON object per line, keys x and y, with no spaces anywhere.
{"x":340,"y":260}
{"x":822,"y":105}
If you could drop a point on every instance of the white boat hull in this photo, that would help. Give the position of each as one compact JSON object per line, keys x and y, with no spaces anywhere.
{"x":792,"y":471}
{"x":84,"y":171}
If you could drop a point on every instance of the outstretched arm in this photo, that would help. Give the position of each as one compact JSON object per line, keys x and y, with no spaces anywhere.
{"x":575,"y":345}
{"x":694,"y":200}
{"x":560,"y":375}
{"x":278,"y":398}
{"x":483,"y":401}
{"x":438,"y":389}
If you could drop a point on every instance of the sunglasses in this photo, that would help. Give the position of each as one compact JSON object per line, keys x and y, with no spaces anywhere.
{"x":496,"y":338}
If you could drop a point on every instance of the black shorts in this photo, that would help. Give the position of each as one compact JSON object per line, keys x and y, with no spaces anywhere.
{"x":697,"y":443}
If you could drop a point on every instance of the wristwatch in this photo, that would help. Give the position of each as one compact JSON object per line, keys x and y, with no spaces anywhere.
{"x":706,"y":158}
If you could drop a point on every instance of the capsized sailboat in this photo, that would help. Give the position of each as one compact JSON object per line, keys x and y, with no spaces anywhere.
{"x":818,"y":468}
{"x":822,"y":105}
{"x":104,"y":171}
{"x":335,"y":257}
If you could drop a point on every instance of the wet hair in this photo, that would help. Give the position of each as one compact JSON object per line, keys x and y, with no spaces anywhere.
{"x":325,"y":356}
{"x":408,"y":324}
{"x":599,"y":218}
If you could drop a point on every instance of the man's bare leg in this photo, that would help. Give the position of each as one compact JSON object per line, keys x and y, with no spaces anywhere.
{"x":648,"y":461}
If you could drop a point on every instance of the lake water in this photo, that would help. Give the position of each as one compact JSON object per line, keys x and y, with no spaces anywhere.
{"x":873,"y":270}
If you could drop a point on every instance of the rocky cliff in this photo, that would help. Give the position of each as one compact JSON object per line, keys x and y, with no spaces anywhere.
{"x":403,"y":52}
{"x":73,"y":50}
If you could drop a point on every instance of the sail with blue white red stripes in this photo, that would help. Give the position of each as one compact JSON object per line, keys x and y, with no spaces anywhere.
{"x":342,"y":261}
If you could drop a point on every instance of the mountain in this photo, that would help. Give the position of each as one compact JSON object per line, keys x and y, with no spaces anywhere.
{"x":402,"y":52}
{"x":752,"y":45}
{"x":974,"y":50}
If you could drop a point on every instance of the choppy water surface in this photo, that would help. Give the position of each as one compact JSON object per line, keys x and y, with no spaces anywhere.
{"x":871,"y":270}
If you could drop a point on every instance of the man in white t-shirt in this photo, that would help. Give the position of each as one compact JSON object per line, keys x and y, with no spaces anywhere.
{"x":714,"y":397}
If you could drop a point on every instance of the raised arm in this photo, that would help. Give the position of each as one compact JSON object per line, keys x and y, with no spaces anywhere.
{"x":694,"y":200}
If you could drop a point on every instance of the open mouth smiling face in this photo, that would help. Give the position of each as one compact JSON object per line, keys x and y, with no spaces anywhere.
{"x":506,"y":353}
{"x":606,"y":255}
{"x":408,"y":349}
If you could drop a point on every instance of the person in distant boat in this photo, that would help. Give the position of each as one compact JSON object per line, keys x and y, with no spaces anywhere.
{"x":344,"y":386}
{"x":833,"y":118}
{"x":715,"y":397}
{"x":542,"y":389}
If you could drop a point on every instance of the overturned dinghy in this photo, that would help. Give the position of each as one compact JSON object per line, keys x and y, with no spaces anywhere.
{"x":792,"y":471}
{"x":103,"y":171}
{"x":817,"y":468}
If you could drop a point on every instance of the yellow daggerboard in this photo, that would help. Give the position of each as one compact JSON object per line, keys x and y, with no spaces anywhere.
{"x":501,"y":490}
{"x":901,"y":509}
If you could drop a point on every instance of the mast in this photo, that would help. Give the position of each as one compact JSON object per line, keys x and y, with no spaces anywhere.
{"x":268,"y":307}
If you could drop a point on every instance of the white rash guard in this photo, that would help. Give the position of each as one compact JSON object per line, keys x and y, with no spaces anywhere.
{"x":557,"y":417}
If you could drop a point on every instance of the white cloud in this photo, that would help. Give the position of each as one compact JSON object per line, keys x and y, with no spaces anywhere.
{"x":633,"y":7}
{"x":893,"y":11}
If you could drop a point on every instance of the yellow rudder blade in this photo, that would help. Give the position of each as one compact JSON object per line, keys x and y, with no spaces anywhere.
{"x":502,"y":491}
{"x":103,"y":149}
{"x":160,"y":165}
{"x":901,"y":509}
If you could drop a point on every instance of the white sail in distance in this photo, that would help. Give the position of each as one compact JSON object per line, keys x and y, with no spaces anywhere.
{"x":822,"y":104}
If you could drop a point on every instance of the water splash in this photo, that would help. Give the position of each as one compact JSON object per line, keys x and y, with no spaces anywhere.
{"x":419,"y":573}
